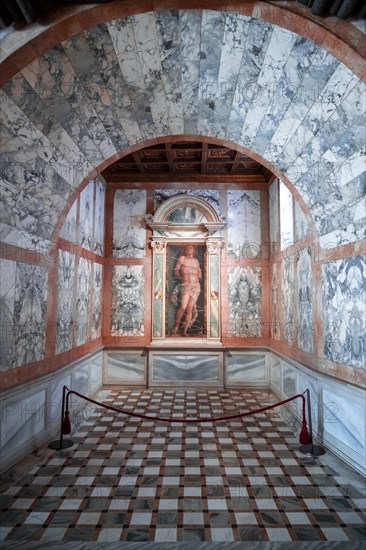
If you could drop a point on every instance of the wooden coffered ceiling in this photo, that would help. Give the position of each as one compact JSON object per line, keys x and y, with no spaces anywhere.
{"x":183,"y":160}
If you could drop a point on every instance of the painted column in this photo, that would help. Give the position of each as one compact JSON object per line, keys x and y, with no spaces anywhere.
{"x":158,"y":298}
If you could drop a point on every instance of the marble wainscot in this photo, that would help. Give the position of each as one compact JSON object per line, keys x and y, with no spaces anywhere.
{"x":125,"y":368}
{"x":338,"y":410}
{"x":186,"y":369}
{"x":31,"y":413}
{"x":247,"y":369}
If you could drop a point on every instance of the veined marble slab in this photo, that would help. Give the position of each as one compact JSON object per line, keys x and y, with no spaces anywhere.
{"x":129,"y":230}
{"x":245,"y":301}
{"x":302,"y":228}
{"x":274,"y":217}
{"x":86,"y":216}
{"x":305,"y":297}
{"x":344,"y":311}
{"x":212,"y":196}
{"x":125,"y":366}
{"x":246,"y":367}
{"x":83,"y":301}
{"x":185,"y":367}
{"x":98,"y":244}
{"x":22,"y":418}
{"x":289,"y":302}
{"x":68,"y":230}
{"x":244,"y":224}
{"x":65,"y":301}
{"x":96,"y":316}
{"x":128,"y":300}
{"x":286,"y":217}
{"x":7,"y":302}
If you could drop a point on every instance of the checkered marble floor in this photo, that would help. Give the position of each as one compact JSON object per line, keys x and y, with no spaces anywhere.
{"x":128,"y":479}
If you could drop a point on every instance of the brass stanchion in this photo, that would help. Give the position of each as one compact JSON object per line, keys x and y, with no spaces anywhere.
{"x":62,"y":443}
{"x":311,"y":449}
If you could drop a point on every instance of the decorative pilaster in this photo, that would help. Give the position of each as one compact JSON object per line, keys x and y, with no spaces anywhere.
{"x":213,"y":288}
{"x":158,"y":296}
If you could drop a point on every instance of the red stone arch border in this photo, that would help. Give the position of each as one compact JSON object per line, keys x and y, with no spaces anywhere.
{"x":344,"y":41}
{"x":184,"y":137}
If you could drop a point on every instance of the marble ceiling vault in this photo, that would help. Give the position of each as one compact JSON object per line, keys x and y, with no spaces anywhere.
{"x":182,"y":72}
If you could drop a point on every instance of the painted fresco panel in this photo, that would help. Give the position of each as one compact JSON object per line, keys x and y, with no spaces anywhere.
{"x":128,"y":300}
{"x":129,"y":232}
{"x":245,"y":301}
{"x":344,"y":311}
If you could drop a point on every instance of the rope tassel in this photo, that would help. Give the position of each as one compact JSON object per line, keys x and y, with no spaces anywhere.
{"x":66,"y":424}
{"x":304,"y":438}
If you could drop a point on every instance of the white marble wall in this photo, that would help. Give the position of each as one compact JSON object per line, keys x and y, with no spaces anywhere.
{"x":290,"y":325}
{"x":302,"y":228}
{"x":129,"y":230}
{"x":305,"y":301}
{"x":31,"y":412}
{"x":247,"y":369}
{"x":274,"y":217}
{"x":189,"y":368}
{"x":125,"y":367}
{"x":128,"y":304}
{"x":86,"y":217}
{"x":7,"y":301}
{"x":344,"y":311}
{"x":68,"y":230}
{"x":338,"y":411}
{"x":30,"y":308}
{"x":244,"y":301}
{"x":96,"y":314}
{"x":98,"y":244}
{"x":286,"y":217}
{"x":65,"y":301}
{"x":244,"y":224}
{"x":83,"y":301}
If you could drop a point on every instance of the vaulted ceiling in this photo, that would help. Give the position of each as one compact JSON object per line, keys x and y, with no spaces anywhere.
{"x":248,"y":84}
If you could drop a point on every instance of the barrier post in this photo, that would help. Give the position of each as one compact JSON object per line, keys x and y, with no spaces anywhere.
{"x":311,"y":449}
{"x":61,"y":443}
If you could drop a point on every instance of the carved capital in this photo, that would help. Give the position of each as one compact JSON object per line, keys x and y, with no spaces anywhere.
{"x":158,"y":246}
{"x":214,"y":247}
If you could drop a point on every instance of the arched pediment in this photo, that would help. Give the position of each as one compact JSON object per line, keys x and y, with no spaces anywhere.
{"x":201,"y":211}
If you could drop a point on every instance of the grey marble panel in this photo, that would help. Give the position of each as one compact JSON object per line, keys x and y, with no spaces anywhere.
{"x":95,"y":371}
{"x":98,"y":244}
{"x":54,"y":406}
{"x":311,"y":384}
{"x":125,"y":366}
{"x":289,"y":380}
{"x":286,"y":216}
{"x":96,"y":314}
{"x":275,"y":321}
{"x":344,"y":419}
{"x":212,"y":196}
{"x":302,"y":228}
{"x":344,"y":311}
{"x":129,"y":230}
{"x":248,"y":367}
{"x":274,"y":217}
{"x":86,"y":216}
{"x":289,"y":302}
{"x":244,"y":301}
{"x":83,"y":301}
{"x":68,"y":230}
{"x":244,"y":224}
{"x":305,"y":299}
{"x":80,"y":383}
{"x":22,"y":420}
{"x":185,"y":367}
{"x":7,"y":300}
{"x":30,"y":310}
{"x":128,"y":304}
{"x":276,"y":373}
{"x":65,"y":301}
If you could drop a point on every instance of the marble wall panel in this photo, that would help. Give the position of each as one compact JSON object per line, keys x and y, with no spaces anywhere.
{"x":246,"y":367}
{"x":125,"y":366}
{"x":65,"y":301}
{"x":286,"y":217}
{"x":212,"y":196}
{"x":128,"y":304}
{"x":22,"y":420}
{"x":276,"y":372}
{"x":344,"y":311}
{"x":244,"y":301}
{"x":86,"y":216}
{"x":244,"y":224}
{"x":30,"y":310}
{"x":344,"y":419}
{"x":98,"y":243}
{"x":54,"y":406}
{"x":276,"y":297}
{"x":7,"y":301}
{"x":83,"y":301}
{"x":289,"y":380}
{"x":80,"y":383}
{"x":96,"y":314}
{"x":129,"y":230}
{"x":274,"y":217}
{"x":302,"y":228}
{"x":290,"y":326}
{"x":311,"y":384}
{"x":68,"y":230}
{"x":95,"y":371}
{"x":189,"y":368}
{"x":305,"y":301}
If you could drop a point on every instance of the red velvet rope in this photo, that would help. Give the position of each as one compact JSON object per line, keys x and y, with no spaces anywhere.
{"x":188,"y":420}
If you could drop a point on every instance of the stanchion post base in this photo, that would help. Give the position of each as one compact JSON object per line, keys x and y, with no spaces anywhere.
{"x":66,"y":443}
{"x":312,"y":450}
